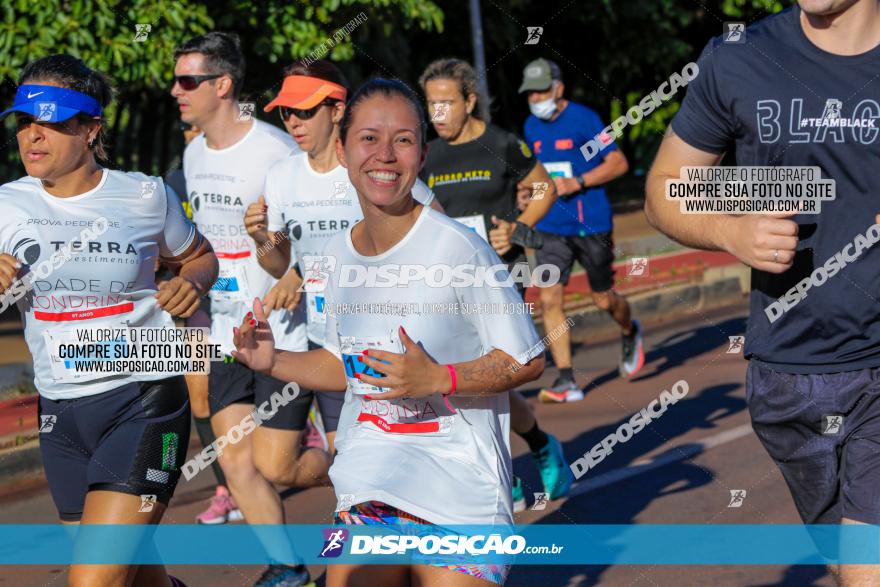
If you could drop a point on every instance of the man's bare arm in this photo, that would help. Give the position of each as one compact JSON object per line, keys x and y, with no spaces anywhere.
{"x":698,"y":231}
{"x":767,"y":243}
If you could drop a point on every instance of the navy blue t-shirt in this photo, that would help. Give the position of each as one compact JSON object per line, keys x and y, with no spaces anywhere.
{"x":782,"y":101}
{"x":557,"y":144}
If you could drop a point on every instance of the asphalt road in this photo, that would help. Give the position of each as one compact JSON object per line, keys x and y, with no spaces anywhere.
{"x":680,"y":469}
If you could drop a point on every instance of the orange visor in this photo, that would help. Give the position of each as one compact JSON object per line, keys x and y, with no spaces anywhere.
{"x":304,"y":92}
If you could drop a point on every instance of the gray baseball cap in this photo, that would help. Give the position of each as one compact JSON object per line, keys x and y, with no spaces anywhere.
{"x":539,"y":75}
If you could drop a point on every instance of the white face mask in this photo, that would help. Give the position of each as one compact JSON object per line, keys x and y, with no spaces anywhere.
{"x":543,"y":109}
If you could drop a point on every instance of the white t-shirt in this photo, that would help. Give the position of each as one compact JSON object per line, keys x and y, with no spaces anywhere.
{"x":311,"y":207}
{"x":448,"y":468}
{"x":222,"y":183}
{"x":108,"y":281}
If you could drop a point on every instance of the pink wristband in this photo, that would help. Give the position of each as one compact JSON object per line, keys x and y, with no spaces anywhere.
{"x":451,"y":370}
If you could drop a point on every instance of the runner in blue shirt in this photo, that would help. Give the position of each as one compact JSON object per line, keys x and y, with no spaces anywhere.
{"x":578,"y":227}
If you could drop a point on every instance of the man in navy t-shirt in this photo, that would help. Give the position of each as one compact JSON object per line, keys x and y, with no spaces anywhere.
{"x":801,"y":90}
{"x":578,"y":226}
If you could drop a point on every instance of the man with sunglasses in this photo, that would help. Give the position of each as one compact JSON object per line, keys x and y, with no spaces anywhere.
{"x":175,"y":178}
{"x":225,"y":172}
{"x":221,"y":507}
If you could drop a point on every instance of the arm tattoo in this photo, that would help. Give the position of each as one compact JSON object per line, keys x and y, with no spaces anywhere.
{"x":489,"y":374}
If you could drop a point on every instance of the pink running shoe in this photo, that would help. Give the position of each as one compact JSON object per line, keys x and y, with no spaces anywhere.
{"x":315,"y":437}
{"x":221,"y":509}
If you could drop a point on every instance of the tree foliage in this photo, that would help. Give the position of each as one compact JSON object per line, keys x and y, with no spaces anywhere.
{"x":612,"y":52}
{"x":103,"y":33}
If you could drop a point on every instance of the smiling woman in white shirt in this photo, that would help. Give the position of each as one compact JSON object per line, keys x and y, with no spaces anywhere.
{"x":308,"y":199}
{"x":426,"y":416}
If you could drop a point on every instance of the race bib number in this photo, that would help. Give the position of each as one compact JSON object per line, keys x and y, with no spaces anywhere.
{"x":315,"y":305}
{"x":316,"y":271}
{"x":559,"y":169}
{"x":476,"y":223}
{"x":71,"y":366}
{"x":351,"y":348}
{"x":419,"y":416}
{"x":231,"y":285}
{"x":422,"y":416}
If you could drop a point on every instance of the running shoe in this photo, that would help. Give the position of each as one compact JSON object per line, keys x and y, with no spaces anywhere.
{"x":632,"y":356}
{"x":318,"y":422}
{"x":563,"y":390}
{"x":519,"y":498}
{"x":315,"y":436}
{"x":555,"y":472}
{"x":285,"y":576}
{"x":221,"y":509}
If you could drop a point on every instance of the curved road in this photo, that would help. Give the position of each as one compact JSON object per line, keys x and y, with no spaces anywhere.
{"x":680,"y":469}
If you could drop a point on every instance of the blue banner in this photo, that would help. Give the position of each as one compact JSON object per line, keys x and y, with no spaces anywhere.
{"x":414,"y":544}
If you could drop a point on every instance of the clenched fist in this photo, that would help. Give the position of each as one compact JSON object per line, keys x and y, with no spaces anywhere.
{"x":766,"y":242}
{"x":179,"y":297}
{"x":9,"y":267}
{"x":284,"y":294}
{"x":256,"y":221}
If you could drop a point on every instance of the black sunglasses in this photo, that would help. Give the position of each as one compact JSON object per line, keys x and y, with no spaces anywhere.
{"x":191,"y":82}
{"x":304,"y":114}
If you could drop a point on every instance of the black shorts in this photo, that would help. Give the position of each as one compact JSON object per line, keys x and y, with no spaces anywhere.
{"x":230,"y":382}
{"x":823,"y":432}
{"x":131,"y":439}
{"x":595,"y":253}
{"x":329,"y":402}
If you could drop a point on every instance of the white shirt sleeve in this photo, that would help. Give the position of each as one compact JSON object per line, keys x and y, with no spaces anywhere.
{"x":179,"y":232}
{"x":422,"y":193}
{"x":502,"y":322}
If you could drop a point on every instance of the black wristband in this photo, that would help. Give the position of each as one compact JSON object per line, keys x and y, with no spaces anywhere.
{"x":525,"y":236}
{"x":581,"y":182}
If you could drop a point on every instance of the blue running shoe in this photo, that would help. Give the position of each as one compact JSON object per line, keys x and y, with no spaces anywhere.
{"x":519,"y":499}
{"x":555,"y":472}
{"x":285,"y":576}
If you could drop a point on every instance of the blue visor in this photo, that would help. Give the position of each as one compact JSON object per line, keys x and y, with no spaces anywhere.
{"x":52,"y":104}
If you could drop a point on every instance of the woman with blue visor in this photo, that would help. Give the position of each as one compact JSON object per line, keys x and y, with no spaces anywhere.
{"x":112,"y":443}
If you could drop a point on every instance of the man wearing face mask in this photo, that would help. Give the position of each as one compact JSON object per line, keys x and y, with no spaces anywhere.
{"x":578,"y":226}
